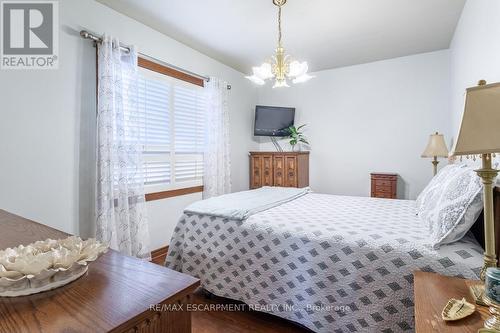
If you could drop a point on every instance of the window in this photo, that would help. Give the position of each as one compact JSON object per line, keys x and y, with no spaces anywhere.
{"x":171,"y":118}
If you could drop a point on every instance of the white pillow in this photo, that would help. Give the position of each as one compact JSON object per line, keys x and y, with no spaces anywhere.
{"x":455,"y":208}
{"x":427,"y":198}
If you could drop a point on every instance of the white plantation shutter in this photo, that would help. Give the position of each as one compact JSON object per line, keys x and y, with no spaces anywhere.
{"x":171,"y":121}
{"x":188,"y":169}
{"x":157,"y":172}
{"x":189,"y":117}
{"x":155,"y":106}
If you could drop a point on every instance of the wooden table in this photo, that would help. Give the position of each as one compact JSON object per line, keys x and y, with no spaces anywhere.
{"x":114,"y":296}
{"x":432,"y":292}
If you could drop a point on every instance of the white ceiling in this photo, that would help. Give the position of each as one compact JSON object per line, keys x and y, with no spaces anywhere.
{"x":326,"y":33}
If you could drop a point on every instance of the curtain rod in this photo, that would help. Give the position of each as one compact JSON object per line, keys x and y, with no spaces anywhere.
{"x":87,"y":35}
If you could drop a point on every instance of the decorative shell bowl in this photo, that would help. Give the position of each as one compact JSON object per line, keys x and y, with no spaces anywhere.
{"x":45,"y":265}
{"x":457,"y":309}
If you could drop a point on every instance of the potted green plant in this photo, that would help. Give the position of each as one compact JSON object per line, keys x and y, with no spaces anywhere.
{"x":296,"y":136}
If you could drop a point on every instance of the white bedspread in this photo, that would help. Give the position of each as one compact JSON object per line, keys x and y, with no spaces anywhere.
{"x":330,"y":263}
{"x":241,"y":205}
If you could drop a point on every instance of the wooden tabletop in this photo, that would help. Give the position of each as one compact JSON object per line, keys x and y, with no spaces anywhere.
{"x":432,"y":292}
{"x":115,"y":289}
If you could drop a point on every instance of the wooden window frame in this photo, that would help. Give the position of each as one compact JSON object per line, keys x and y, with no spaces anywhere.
{"x":161,"y":69}
{"x":155,"y":67}
{"x":173,"y":193}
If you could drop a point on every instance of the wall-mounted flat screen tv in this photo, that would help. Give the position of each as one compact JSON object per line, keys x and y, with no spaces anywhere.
{"x":273,"y":120}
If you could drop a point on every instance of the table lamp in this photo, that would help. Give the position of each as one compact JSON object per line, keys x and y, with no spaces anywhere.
{"x":479,"y":134}
{"x":435,"y":148}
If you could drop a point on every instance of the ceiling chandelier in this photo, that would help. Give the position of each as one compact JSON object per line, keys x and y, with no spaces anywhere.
{"x":281,"y":68}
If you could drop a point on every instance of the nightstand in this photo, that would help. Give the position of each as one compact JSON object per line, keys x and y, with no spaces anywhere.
{"x":432,"y":292}
{"x":384,"y":185}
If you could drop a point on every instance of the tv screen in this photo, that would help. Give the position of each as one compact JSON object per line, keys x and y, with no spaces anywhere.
{"x":273,"y":120}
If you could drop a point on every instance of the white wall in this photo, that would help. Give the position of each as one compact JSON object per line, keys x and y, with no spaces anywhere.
{"x":474,"y":52}
{"x":370,"y":117}
{"x":47,"y":124}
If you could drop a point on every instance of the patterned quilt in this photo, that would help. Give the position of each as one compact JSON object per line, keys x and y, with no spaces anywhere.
{"x":330,"y":263}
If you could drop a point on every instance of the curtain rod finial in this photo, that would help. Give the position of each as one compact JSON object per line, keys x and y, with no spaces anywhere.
{"x":84,"y":34}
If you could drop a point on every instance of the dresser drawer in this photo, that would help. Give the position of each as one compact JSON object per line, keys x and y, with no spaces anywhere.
{"x":383,"y":177}
{"x":383,"y":182}
{"x":383,"y":189}
{"x":383,"y":195}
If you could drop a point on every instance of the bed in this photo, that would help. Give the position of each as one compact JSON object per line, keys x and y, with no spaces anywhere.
{"x":330,"y":263}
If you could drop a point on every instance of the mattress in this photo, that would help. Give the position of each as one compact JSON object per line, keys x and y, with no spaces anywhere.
{"x":330,"y":263}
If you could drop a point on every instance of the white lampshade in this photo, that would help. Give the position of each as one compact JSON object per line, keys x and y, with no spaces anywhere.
{"x":263,"y":72}
{"x":480,"y":128}
{"x":298,"y":69}
{"x":436,"y":147}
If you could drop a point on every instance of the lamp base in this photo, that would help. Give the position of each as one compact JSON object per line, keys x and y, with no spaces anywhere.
{"x":435,"y":163}
{"x":487,"y":175}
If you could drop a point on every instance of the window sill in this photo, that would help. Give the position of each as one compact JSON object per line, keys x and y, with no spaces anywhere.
{"x":173,"y":193}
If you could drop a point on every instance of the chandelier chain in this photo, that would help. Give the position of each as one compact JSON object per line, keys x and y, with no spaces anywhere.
{"x":279,"y":25}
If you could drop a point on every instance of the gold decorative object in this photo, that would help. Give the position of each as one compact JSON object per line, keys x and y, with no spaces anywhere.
{"x":45,"y":265}
{"x":492,"y":322}
{"x":479,"y":135}
{"x":457,"y":309}
{"x":477,"y":291}
{"x":486,"y":330}
{"x":281,"y":67}
{"x":436,"y":147}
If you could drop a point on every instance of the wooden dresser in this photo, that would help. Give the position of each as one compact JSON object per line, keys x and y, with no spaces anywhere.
{"x":118,"y":294}
{"x":287,"y":169}
{"x":384,"y":185}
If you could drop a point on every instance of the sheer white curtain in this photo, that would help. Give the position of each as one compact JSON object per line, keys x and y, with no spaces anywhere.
{"x":120,"y":204}
{"x":217,"y":160}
